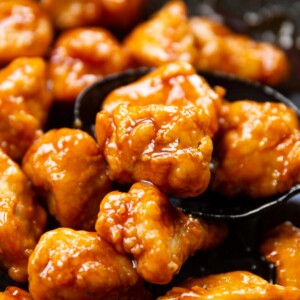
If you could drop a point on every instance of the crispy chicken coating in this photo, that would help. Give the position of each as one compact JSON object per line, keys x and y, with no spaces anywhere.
{"x":25,"y":30}
{"x":166,"y":145}
{"x":119,"y":14}
{"x":67,"y":168}
{"x":24,"y":104}
{"x":21,"y":219}
{"x":282,"y":248}
{"x":80,"y":57}
{"x":220,"y":49}
{"x":14,"y":293}
{"x":144,"y":224}
{"x":79,"y":265}
{"x":174,"y":83}
{"x":239,"y":285}
{"x":165,"y":37}
{"x":258,"y":150}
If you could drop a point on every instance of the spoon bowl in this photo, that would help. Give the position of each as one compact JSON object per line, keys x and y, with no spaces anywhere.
{"x":208,"y":205}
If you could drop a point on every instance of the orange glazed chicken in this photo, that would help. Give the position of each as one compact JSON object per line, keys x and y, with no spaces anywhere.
{"x":282,"y":248}
{"x":80,"y":57}
{"x":25,"y":30}
{"x":24,"y":104}
{"x":219,"y":49}
{"x":21,"y":219}
{"x":166,"y":145}
{"x":237,"y":285}
{"x":165,"y":37}
{"x":174,"y":83}
{"x":79,"y":265}
{"x":144,"y":224}
{"x":67,"y":168}
{"x":14,"y":293}
{"x":119,"y":14}
{"x":258,"y":150}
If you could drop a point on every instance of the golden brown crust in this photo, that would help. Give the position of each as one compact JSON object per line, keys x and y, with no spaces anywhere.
{"x":228,"y":286}
{"x":171,"y":84}
{"x":80,"y":57}
{"x":67,"y":168}
{"x":24,"y":104}
{"x":281,"y":247}
{"x":22,"y":220}
{"x":117,"y":14}
{"x":166,"y":37}
{"x":220,"y":49}
{"x":159,"y":237}
{"x":166,"y":145}
{"x":77,"y":265}
{"x":258,"y":149}
{"x":25,"y":30}
{"x":16,"y":293}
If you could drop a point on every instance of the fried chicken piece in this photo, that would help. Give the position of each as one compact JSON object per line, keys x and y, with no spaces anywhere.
{"x":171,"y":84}
{"x":80,"y":57}
{"x":22,"y":221}
{"x":25,"y":30}
{"x":220,"y":49}
{"x":166,"y":145}
{"x":238,"y":285}
{"x":16,"y":293}
{"x":79,"y":265}
{"x":258,"y":150}
{"x":67,"y":168}
{"x":282,"y":248}
{"x":119,"y":14}
{"x":165,"y":37}
{"x":144,"y":224}
{"x":24,"y":104}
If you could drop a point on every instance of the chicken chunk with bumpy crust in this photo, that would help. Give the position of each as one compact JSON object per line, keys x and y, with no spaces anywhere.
{"x":80,"y":57}
{"x":79,"y":265}
{"x":14,"y":293}
{"x":165,"y":37}
{"x":258,"y":149}
{"x":117,"y":14}
{"x":239,"y":285}
{"x":144,"y":224}
{"x":67,"y":168}
{"x":166,"y":145}
{"x":24,"y":104}
{"x":22,"y":221}
{"x":174,"y":83}
{"x":220,"y":49}
{"x":281,"y":247}
{"x":25,"y":30}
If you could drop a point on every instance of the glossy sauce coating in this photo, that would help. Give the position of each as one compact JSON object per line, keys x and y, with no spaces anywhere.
{"x":24,"y":104}
{"x":120,"y":14}
{"x":220,"y":49}
{"x":16,"y":293}
{"x":159,"y":237}
{"x":166,"y":145}
{"x":171,"y":84}
{"x":239,"y":285}
{"x":67,"y":168}
{"x":80,"y":57}
{"x":282,"y":248}
{"x":258,"y":149}
{"x":22,"y":221}
{"x":25,"y":30}
{"x":165,"y":37}
{"x":79,"y":265}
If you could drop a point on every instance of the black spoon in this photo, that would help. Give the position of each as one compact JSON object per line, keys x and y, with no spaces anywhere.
{"x":206,"y":205}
